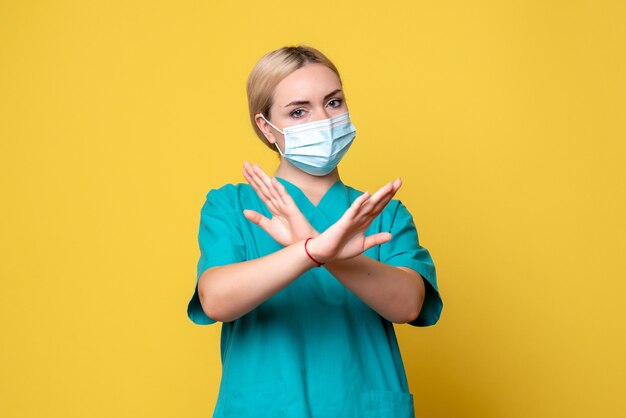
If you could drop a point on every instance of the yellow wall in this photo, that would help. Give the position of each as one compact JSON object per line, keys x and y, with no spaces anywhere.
{"x":505,"y":121}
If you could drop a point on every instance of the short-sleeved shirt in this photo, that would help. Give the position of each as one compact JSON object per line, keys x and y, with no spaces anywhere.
{"x":313,"y":349}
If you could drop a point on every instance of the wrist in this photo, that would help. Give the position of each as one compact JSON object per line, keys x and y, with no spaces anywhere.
{"x":311,"y":247}
{"x":303,"y":237}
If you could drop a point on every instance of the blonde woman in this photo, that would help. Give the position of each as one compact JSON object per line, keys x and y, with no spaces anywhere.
{"x":308,"y":274}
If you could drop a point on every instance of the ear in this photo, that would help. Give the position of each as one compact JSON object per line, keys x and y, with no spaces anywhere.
{"x":265,"y":128}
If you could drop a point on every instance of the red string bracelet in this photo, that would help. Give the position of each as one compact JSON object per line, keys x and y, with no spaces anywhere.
{"x":310,"y":256}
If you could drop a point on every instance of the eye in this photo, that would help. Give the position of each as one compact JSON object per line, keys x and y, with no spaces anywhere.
{"x":296,"y":114}
{"x":335,"y":103}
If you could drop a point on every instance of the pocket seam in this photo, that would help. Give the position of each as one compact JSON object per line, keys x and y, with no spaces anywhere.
{"x":377,"y":394}
{"x":274,"y":389}
{"x":399,"y":402}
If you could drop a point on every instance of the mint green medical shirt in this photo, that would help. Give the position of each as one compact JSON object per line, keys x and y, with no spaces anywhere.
{"x":313,"y":349}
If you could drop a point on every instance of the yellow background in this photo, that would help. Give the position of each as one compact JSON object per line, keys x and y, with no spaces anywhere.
{"x":506,"y":121}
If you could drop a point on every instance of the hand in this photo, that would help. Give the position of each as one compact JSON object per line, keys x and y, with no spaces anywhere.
{"x":346,"y":237}
{"x":288,"y":225}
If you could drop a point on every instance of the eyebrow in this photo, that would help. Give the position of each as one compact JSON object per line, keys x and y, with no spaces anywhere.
{"x":304,"y":102}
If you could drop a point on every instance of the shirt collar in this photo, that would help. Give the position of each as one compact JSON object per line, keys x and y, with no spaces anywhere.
{"x":328,"y":210}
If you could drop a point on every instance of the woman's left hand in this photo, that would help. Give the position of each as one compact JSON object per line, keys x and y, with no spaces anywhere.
{"x":346,"y":238}
{"x":287,"y":225}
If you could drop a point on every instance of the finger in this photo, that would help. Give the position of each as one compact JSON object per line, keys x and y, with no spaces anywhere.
{"x":245,"y":171}
{"x":257,"y":218}
{"x":249,"y":176}
{"x":356,"y":205}
{"x":397,"y":184}
{"x":262,"y":175}
{"x":379,"y":202}
{"x":264,"y":198}
{"x":376,"y":239}
{"x":284,"y":195}
{"x":266,"y":185}
{"x":386,"y":199}
{"x":381,"y":194}
{"x":368,"y":206}
{"x":265,"y":179}
{"x":257,"y":182}
{"x":365,"y":219}
{"x":248,"y":173}
{"x":262,"y":190}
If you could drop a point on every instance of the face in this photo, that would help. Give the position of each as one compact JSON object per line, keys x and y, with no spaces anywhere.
{"x":310,"y":93}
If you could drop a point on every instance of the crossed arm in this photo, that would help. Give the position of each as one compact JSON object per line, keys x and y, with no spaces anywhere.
{"x":396,"y":293}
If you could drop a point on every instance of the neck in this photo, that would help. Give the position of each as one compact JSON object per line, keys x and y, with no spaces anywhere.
{"x":313,"y":186}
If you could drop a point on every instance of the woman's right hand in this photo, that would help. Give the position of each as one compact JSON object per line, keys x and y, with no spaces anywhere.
{"x":287,"y":225}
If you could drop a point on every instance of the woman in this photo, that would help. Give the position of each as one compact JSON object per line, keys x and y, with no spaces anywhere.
{"x":307,"y":274}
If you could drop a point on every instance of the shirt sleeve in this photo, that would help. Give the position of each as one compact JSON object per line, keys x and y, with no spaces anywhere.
{"x":404,"y":250}
{"x":220,"y":241}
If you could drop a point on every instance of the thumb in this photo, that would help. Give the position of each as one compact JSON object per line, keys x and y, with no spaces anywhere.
{"x":376,"y":239}
{"x":256,"y":218}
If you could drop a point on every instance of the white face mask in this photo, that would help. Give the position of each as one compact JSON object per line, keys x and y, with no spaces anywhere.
{"x":317,"y":147}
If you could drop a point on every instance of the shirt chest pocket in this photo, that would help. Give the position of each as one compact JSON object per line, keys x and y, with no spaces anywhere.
{"x":265,"y":397}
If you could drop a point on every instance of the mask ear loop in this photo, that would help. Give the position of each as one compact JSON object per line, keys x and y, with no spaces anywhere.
{"x":270,"y":123}
{"x":281,"y":153}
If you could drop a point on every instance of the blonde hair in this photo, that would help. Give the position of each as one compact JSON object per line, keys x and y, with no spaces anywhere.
{"x":270,"y":70}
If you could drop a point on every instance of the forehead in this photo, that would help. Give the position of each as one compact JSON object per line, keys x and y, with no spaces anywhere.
{"x":311,"y":82}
